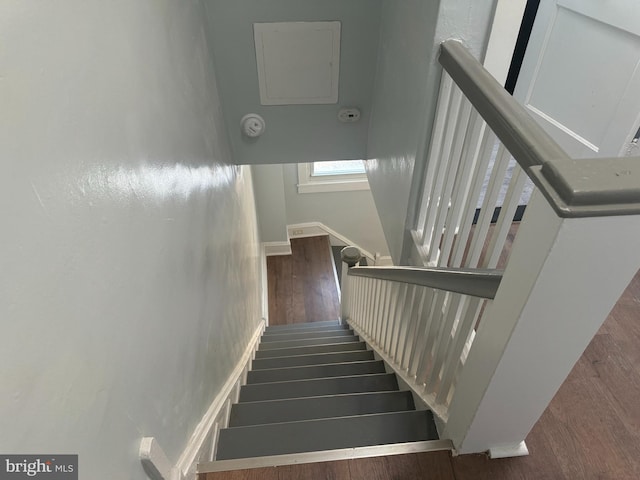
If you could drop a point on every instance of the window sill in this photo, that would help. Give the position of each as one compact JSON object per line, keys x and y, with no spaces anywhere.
{"x":333,"y":186}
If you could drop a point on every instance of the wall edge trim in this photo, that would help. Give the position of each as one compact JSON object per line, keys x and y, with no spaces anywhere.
{"x":217,"y":413}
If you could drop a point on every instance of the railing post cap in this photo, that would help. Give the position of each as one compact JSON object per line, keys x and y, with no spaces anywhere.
{"x":350,"y":255}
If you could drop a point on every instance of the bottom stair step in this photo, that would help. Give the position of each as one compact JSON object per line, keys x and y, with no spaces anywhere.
{"x":325,"y":434}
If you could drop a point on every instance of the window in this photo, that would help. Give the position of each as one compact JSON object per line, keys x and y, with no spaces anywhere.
{"x":340,"y":175}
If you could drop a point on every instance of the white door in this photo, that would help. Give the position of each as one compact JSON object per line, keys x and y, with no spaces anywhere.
{"x":580,"y":76}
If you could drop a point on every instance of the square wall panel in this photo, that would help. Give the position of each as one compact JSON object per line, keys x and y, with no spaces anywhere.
{"x":298,"y":62}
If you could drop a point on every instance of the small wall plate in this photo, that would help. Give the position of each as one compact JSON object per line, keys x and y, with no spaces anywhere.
{"x":253,"y":125}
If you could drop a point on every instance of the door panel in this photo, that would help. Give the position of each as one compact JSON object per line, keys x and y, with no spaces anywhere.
{"x":580,"y":77}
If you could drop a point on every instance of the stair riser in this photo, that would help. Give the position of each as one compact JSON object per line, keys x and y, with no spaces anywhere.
{"x":281,"y":337}
{"x":326,"y":434}
{"x":316,"y":388}
{"x":319,"y":359}
{"x":293,"y":329}
{"x":278,"y":411}
{"x":309,"y":350}
{"x":315,"y":371}
{"x":309,"y":342}
{"x":296,"y":326}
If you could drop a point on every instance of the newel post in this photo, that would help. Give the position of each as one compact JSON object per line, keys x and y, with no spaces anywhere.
{"x":350,"y":257}
{"x":563,"y":277}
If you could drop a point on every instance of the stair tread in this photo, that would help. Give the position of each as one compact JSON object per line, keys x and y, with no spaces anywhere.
{"x":296,"y":326}
{"x":287,"y":410}
{"x":274,"y":337}
{"x":320,"y":328}
{"x":311,"y":349}
{"x":307,"y":342}
{"x":318,"y":386}
{"x":325,"y":434}
{"x":315,"y":371}
{"x":312,"y":359}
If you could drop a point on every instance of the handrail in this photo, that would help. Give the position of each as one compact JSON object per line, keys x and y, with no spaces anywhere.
{"x":573,"y":188}
{"x":476,"y":282}
{"x":524,"y":138}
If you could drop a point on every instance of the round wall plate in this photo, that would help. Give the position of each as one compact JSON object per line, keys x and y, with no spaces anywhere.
{"x":252,"y":125}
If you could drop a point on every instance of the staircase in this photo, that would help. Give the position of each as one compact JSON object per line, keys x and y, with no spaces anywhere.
{"x":315,"y":387}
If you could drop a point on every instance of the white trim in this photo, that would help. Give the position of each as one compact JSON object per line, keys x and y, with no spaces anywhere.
{"x":329,"y":183}
{"x":154,"y":461}
{"x":326,"y":456}
{"x":383,"y":260}
{"x":312,"y":229}
{"x":519,"y":450}
{"x":560,"y":126}
{"x":277,"y":248}
{"x":264,"y":283}
{"x":217,"y":413}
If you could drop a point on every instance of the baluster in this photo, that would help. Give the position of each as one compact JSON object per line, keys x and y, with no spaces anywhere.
{"x":484,"y":152}
{"x":468,"y":316}
{"x":505,"y":219}
{"x":439,"y":126}
{"x":397,"y":320}
{"x":405,"y":318}
{"x":410,"y":338}
{"x":453,"y":163}
{"x":463,"y":185}
{"x":440,"y":169}
{"x":421,"y":331}
{"x":488,"y":206}
{"x":431,"y":331}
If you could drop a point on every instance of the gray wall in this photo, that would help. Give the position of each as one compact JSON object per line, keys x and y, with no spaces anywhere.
{"x":404,"y":99}
{"x":129,"y":259}
{"x":352,"y":214}
{"x":294,"y":133}
{"x":270,"y":202}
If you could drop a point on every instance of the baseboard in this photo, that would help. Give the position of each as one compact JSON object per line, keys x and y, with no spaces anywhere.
{"x":154,"y":461}
{"x":277,"y":248}
{"x":519,"y":450}
{"x":312,"y":229}
{"x":264,"y":283}
{"x":201,"y":445}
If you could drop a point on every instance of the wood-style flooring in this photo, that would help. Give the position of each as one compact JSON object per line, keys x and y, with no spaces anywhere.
{"x":302,"y":286}
{"x":591,"y":429}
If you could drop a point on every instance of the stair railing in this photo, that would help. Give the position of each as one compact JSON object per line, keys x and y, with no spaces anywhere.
{"x":572,"y":255}
{"x":422,"y":320}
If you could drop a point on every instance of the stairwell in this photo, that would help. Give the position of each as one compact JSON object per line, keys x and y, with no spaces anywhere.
{"x":316,"y":387}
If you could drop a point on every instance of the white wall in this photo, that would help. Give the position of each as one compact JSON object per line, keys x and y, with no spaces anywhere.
{"x":351,"y":214}
{"x":406,"y":85}
{"x":128,"y":259}
{"x":294,"y":133}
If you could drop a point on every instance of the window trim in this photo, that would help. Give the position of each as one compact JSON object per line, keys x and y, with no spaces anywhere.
{"x":329,"y":183}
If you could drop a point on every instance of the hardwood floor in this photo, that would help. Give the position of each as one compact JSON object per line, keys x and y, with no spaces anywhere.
{"x":591,"y":429}
{"x":302,"y":286}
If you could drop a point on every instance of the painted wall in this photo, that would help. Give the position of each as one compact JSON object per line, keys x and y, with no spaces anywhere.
{"x":352,"y":213}
{"x":270,"y":202}
{"x":294,"y":133}
{"x":405,"y":93}
{"x":128,"y":259}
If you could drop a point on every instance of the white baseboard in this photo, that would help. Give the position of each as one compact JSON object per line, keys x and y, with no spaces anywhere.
{"x":155,"y":462}
{"x":312,"y":229}
{"x":277,"y":248}
{"x":201,"y":445}
{"x":264,"y":283}
{"x":519,"y":450}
